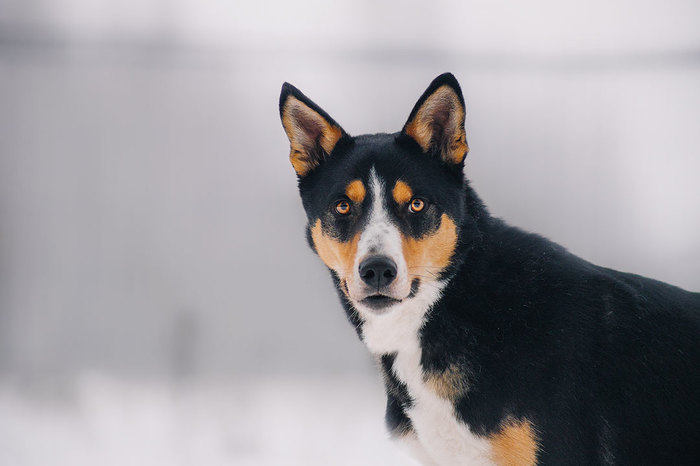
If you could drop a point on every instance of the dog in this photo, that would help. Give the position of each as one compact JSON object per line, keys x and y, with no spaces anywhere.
{"x":497,"y":346}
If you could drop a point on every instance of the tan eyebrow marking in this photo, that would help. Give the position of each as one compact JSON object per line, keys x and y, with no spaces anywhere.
{"x":402,"y":192}
{"x":356,"y":191}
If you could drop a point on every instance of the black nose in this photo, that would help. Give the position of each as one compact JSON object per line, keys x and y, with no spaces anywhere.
{"x":378,"y":271}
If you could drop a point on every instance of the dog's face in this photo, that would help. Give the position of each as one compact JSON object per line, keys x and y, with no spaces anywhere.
{"x":383,"y":210}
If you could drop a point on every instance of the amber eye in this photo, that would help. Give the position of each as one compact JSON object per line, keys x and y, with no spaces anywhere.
{"x":416,"y":205}
{"x":343,"y":207}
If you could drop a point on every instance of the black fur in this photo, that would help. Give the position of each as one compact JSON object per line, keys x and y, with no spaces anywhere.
{"x":605,"y":364}
{"x":398,"y":399}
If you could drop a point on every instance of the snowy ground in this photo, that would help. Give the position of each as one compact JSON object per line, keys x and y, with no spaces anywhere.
{"x":98,"y":420}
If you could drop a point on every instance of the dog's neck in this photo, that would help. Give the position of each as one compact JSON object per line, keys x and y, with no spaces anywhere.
{"x":398,"y":328}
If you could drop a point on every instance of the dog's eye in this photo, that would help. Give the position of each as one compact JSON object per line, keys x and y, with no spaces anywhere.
{"x":416,"y":205}
{"x":342,"y":207}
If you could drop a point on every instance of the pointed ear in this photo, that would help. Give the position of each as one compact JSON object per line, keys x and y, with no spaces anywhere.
{"x":436,"y":122}
{"x":312,"y":133}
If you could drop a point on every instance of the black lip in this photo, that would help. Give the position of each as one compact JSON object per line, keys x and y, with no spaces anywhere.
{"x":379,"y":301}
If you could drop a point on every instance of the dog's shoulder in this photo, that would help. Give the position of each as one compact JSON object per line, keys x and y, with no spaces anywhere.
{"x":539,"y":334}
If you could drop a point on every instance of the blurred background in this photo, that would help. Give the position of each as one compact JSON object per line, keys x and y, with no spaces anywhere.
{"x":158,"y":302}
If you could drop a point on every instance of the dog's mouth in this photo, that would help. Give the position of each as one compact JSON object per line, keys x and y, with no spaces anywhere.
{"x":379,"y":302}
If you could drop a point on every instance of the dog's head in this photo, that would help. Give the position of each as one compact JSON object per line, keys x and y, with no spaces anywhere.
{"x":384,"y":211}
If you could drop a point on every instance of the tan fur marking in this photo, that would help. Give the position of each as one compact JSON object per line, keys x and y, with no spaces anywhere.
{"x":426,"y":257}
{"x":335,"y":254}
{"x":402,"y":192}
{"x":301,"y":123}
{"x":344,"y":287}
{"x":515,"y":444}
{"x":356,"y":191}
{"x":449,"y":384}
{"x":421,"y":129}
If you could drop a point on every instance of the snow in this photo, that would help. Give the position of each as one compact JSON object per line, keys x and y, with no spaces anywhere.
{"x":254,"y":421}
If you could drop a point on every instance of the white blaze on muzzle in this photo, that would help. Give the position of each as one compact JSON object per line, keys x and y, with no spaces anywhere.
{"x":380,"y":237}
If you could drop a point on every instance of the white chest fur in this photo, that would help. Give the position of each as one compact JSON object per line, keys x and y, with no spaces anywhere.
{"x":443,"y":438}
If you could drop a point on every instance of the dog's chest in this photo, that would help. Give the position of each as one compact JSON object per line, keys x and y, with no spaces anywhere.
{"x":444,"y":438}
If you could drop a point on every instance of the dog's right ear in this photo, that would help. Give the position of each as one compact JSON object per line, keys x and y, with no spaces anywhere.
{"x":312,"y":133}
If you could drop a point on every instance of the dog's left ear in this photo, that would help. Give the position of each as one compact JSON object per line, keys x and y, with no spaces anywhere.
{"x":312,"y":133}
{"x":436,"y":122}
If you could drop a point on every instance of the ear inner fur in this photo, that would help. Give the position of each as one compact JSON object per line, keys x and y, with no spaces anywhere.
{"x":515,"y":444}
{"x":439,"y":125}
{"x":311,"y":136}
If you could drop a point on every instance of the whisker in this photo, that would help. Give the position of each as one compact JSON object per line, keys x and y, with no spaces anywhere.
{"x":429,"y":274}
{"x":429,"y":283}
